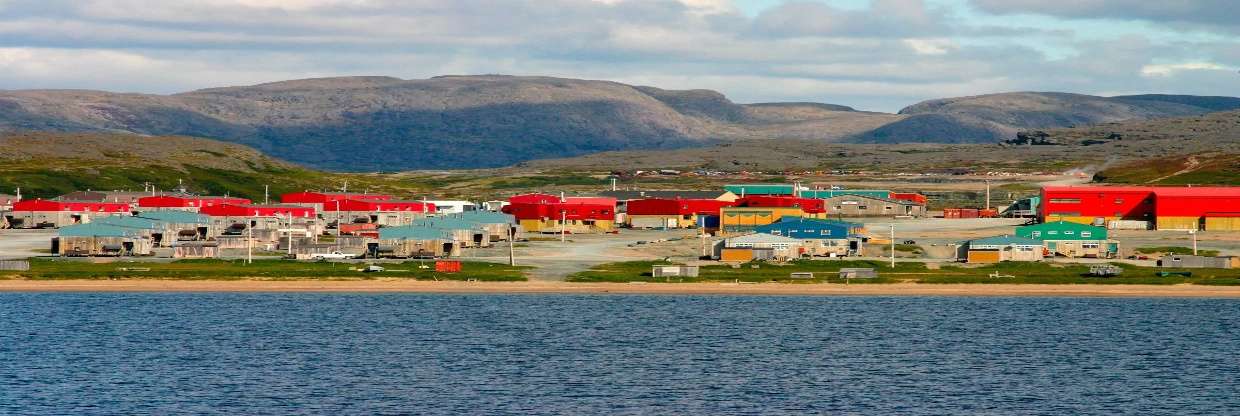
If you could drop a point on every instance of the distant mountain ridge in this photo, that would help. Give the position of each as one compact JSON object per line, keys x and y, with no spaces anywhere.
{"x":385,"y":123}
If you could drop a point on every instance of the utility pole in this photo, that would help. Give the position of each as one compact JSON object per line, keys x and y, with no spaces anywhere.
{"x":249,"y":243}
{"x":988,"y":194}
{"x":266,"y":195}
{"x":893,"y":246}
{"x":563,"y":223}
{"x":512,"y":254}
{"x":613,"y":184}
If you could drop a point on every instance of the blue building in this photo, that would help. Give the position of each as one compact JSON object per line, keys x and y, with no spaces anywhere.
{"x":820,"y":237}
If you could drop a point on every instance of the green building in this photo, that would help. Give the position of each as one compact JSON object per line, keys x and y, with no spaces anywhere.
{"x":761,"y":189}
{"x":1069,"y":239}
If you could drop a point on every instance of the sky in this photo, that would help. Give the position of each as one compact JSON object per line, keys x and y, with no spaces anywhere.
{"x":876,"y":55}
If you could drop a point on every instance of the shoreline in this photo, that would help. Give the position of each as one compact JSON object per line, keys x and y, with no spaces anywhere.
{"x":555,"y":287}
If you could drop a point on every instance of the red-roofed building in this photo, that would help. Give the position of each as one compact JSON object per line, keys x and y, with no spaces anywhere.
{"x":568,"y":217}
{"x":42,"y":213}
{"x":1167,"y":208}
{"x":671,"y":213}
{"x":807,"y":205}
{"x":319,"y":200}
{"x":242,"y":210}
{"x":385,"y":213}
{"x":186,"y":203}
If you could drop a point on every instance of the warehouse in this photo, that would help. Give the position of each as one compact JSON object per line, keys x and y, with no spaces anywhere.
{"x":413,"y":242}
{"x":825,"y":238}
{"x":1002,"y":248}
{"x":1197,"y":208}
{"x":1167,"y":208}
{"x":41,"y":213}
{"x":673,"y":213}
{"x":866,"y":206}
{"x":1070,"y":239}
{"x":388,"y":213}
{"x":269,"y":222}
{"x":185,"y":202}
{"x":90,"y":240}
{"x":180,"y":226}
{"x":1096,"y":204}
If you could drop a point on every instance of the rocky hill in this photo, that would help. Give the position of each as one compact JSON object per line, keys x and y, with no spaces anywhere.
{"x":385,"y":124}
{"x":994,"y":117}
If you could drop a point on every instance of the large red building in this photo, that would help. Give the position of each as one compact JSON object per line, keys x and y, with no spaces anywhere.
{"x":1209,"y":208}
{"x":676,"y":206}
{"x":357,"y":205}
{"x":231,"y":210}
{"x":188,"y":203}
{"x":807,"y":205}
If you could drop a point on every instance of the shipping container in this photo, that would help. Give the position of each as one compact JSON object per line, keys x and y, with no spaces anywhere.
{"x":448,"y":266}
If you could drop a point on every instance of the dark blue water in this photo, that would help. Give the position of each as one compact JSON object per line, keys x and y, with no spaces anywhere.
{"x":558,"y":354}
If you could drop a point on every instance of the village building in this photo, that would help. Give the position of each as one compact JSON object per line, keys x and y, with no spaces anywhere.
{"x":674,"y":213}
{"x":758,"y":246}
{"x":266,"y":223}
{"x":191,"y":203}
{"x":388,"y":213}
{"x":1070,"y":239}
{"x":7,"y":201}
{"x":97,"y":240}
{"x":498,"y":226}
{"x":1001,"y":248}
{"x":1211,"y":208}
{"x":467,"y":234}
{"x":823,"y":238}
{"x":542,"y":213}
{"x":42,"y":213}
{"x":124,"y":197}
{"x":1184,"y":261}
{"x":319,"y":200}
{"x":868,"y":206}
{"x":744,"y":190}
{"x":413,"y":242}
{"x":755,"y":211}
{"x":446,"y":206}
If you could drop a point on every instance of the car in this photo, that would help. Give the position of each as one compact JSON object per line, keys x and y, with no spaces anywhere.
{"x":335,"y":255}
{"x":910,"y":242}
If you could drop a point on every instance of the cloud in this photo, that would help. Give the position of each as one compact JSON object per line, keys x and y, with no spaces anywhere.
{"x":1220,"y":15}
{"x":881,"y":56}
{"x":1166,"y":70}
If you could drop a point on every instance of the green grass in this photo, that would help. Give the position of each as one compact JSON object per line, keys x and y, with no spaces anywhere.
{"x":51,"y":269}
{"x":827,"y":272}
{"x":1175,"y":250}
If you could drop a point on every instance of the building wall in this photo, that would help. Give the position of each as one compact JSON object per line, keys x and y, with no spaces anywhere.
{"x":1222,"y":224}
{"x":572,"y":226}
{"x":739,"y":219}
{"x":1178,"y":223}
{"x":859,"y":206}
{"x":1076,"y":204}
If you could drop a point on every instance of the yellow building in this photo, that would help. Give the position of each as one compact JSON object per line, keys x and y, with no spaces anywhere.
{"x":744,"y":219}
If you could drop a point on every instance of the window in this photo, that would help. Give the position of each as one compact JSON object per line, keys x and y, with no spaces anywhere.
{"x":826,"y":232}
{"x":1065,"y":200}
{"x":888,"y":208}
{"x":1086,"y":233}
{"x":1089,"y":245}
{"x":1052,"y":232}
{"x":863,"y":207}
{"x":1069,"y":232}
{"x":1119,"y":200}
{"x":1036,"y":234}
{"x":776,"y":232}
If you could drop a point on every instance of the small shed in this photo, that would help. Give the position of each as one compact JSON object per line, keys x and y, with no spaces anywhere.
{"x":675,"y":271}
{"x":1199,"y":262}
{"x":196,"y":250}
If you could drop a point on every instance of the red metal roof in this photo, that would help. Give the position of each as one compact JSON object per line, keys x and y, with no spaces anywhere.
{"x":378,"y":206}
{"x":43,"y":205}
{"x":555,"y":211}
{"x":230,"y":210}
{"x":171,"y":201}
{"x":808,"y":205}
{"x":324,"y":197}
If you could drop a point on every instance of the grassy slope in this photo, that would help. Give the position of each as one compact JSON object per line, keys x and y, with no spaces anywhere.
{"x":826,"y":271}
{"x":50,"y":164}
{"x":262,"y":269}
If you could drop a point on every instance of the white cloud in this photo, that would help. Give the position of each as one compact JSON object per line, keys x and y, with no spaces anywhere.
{"x":1165,"y":70}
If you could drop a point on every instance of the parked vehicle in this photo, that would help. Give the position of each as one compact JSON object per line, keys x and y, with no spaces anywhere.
{"x":335,"y":255}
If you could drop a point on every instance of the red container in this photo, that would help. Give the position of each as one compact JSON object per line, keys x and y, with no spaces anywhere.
{"x":448,"y":266}
{"x":988,"y":213}
{"x":356,"y":228}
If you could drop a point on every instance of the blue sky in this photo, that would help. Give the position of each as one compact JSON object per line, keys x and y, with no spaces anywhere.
{"x":872,"y":54}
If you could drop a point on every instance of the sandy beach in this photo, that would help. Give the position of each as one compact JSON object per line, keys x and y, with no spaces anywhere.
{"x":396,"y":286}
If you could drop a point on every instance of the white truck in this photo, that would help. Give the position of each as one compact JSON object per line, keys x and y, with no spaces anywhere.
{"x":335,"y":255}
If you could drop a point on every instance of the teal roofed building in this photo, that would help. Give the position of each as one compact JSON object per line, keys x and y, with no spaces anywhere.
{"x":486,"y":217}
{"x":96,"y":229}
{"x":176,"y":216}
{"x":129,"y":222}
{"x":1070,"y":239}
{"x":413,"y":232}
{"x":96,"y":239}
{"x":744,"y":190}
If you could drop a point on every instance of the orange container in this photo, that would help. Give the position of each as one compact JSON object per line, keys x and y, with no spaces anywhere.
{"x":448,"y":266}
